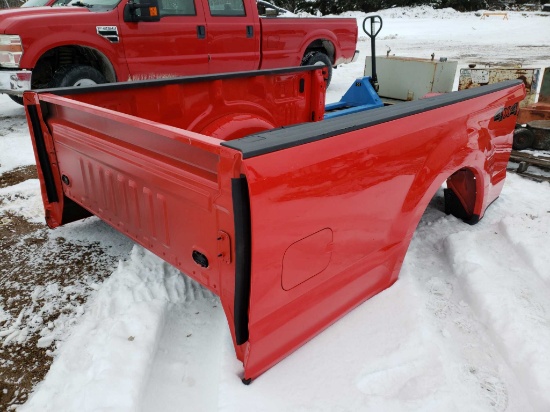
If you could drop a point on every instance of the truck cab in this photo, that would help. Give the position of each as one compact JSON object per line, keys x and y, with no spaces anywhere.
{"x":112,"y":40}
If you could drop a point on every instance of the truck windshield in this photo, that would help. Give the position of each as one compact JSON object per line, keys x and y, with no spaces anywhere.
{"x":94,"y":5}
{"x":36,"y":3}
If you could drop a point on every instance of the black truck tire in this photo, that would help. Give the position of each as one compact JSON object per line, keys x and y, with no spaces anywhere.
{"x":17,"y":99}
{"x":523,"y":139}
{"x":317,"y":58}
{"x":80,"y":76}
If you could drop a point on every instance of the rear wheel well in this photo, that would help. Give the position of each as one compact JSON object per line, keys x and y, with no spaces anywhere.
{"x":51,"y":61}
{"x":461,"y":196}
{"x":322,"y":46}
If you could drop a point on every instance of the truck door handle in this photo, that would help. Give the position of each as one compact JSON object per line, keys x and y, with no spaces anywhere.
{"x":201,"y":32}
{"x":249,"y":31}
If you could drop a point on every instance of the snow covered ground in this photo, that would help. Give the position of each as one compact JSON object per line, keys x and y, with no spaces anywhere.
{"x":465,"y":328}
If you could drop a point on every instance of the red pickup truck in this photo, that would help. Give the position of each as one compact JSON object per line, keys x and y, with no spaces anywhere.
{"x":240,"y":181}
{"x":99,"y":41}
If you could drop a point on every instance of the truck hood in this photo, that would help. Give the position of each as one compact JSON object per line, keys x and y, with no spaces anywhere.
{"x":13,"y":21}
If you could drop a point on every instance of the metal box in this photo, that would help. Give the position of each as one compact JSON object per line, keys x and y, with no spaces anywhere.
{"x":406,"y":78}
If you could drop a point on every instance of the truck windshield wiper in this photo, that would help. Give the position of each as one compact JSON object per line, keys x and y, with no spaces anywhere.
{"x":81,"y":4}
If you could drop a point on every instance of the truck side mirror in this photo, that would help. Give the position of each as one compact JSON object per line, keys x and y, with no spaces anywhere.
{"x":134,"y":12}
{"x":269,"y":12}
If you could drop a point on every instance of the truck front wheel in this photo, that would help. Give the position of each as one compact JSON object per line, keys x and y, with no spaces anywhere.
{"x":319,"y":58}
{"x":81,"y":76}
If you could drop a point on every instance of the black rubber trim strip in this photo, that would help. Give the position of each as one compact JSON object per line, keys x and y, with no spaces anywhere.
{"x":69,"y":91}
{"x":43,"y":158}
{"x":243,"y":247}
{"x":291,"y":136}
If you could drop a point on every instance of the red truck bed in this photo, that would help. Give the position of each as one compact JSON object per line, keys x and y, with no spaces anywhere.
{"x":234,"y":179}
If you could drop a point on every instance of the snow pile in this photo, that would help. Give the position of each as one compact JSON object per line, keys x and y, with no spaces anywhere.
{"x":464,"y":327}
{"x":418,"y":12}
{"x":421,"y":12}
{"x":117,"y":339}
{"x":506,"y":280}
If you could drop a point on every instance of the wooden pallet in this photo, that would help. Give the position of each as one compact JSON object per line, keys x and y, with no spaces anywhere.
{"x":525,"y":160}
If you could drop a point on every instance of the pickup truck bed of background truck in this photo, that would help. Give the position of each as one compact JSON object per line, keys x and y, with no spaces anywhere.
{"x":236,"y":180}
{"x":112,"y":40}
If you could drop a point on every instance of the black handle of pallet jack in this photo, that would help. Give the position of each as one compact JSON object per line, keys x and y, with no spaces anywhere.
{"x":372,"y":34}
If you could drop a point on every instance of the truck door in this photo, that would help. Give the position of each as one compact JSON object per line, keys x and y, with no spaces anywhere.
{"x":233,"y":32}
{"x":174,"y":46}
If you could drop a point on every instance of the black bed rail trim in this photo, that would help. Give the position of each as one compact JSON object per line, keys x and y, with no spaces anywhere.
{"x":43,"y":158}
{"x":241,"y":212}
{"x":296,"y":135}
{"x":69,"y":91}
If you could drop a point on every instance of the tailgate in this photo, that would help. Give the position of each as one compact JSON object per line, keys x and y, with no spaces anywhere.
{"x":166,"y":188}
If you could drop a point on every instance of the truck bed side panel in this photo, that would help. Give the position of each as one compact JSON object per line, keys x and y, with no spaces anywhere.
{"x":284,"y":40}
{"x":332,"y":219}
{"x":250,"y":101}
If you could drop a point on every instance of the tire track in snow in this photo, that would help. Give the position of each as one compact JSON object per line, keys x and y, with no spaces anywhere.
{"x":477,"y":362}
{"x":118,"y":337}
{"x":528,"y":243}
{"x":511,"y":299}
{"x":481,"y":362}
{"x":11,"y":124}
{"x":193,"y":329}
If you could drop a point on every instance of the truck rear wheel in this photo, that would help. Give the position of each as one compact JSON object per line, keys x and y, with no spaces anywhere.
{"x":80,"y":76}
{"x":523,"y":139}
{"x":319,"y":58}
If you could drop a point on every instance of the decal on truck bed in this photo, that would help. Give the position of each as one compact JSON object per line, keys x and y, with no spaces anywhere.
{"x":506,"y":112}
{"x":109,"y":32}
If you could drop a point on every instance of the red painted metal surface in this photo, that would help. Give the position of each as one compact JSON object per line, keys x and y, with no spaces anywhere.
{"x":283,"y":35}
{"x":369,"y":187}
{"x":133,"y":159}
{"x":173,"y":46}
{"x":219,"y":106}
{"x":331,"y":220}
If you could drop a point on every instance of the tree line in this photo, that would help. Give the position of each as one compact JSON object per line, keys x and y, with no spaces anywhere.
{"x":6,"y":4}
{"x":325,"y":7}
